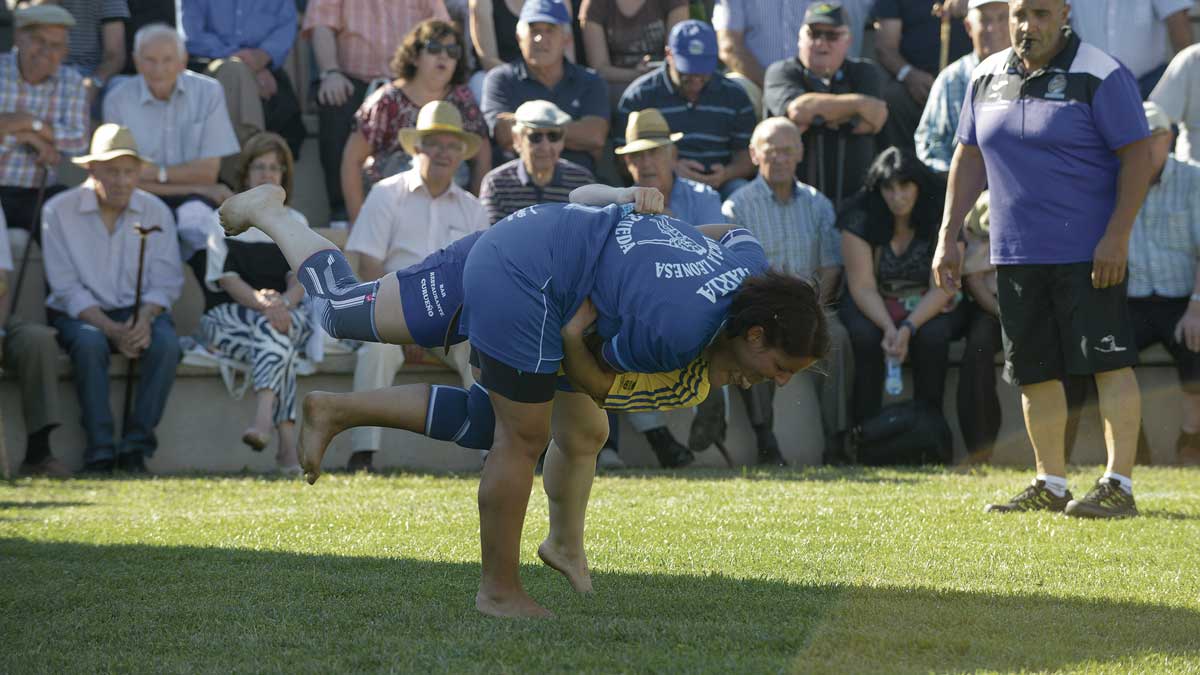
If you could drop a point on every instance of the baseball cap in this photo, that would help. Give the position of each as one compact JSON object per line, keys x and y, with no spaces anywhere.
{"x":973,"y":4}
{"x":1156,"y":117}
{"x":544,"y":11}
{"x":44,"y":15}
{"x":693,"y":47}
{"x":828,"y":13}
{"x":540,"y":115}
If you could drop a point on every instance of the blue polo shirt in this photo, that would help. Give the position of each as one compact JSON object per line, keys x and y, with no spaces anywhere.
{"x":1048,"y":139}
{"x":695,"y":203}
{"x":717,"y":125}
{"x":580,"y":93}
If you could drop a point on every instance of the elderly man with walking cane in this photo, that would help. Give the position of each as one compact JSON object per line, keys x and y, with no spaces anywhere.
{"x":99,"y":245}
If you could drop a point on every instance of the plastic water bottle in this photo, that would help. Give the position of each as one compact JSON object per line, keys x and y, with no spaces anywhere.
{"x":894,"y":385}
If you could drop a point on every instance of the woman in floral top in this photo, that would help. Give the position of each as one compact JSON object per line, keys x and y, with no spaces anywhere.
{"x":429,"y":66}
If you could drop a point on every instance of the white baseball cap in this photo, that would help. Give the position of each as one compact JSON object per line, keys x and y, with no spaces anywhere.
{"x":980,"y":3}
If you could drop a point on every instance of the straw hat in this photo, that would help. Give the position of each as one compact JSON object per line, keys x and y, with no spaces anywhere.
{"x":438,"y":117}
{"x":647,"y":129}
{"x":110,"y":142}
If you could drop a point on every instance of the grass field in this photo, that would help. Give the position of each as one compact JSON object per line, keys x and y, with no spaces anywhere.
{"x":824,"y":570}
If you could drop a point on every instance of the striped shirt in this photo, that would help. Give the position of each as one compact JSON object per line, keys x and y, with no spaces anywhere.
{"x":87,"y":48}
{"x":798,"y":237}
{"x":714,"y":127}
{"x":369,"y":31}
{"x":771,"y":28}
{"x":642,"y":392}
{"x":59,"y":100}
{"x":509,"y":188}
{"x":935,"y":137}
{"x":1165,"y":242}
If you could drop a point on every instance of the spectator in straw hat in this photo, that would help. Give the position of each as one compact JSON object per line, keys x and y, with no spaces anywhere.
{"x":92,"y":259}
{"x":539,"y":174}
{"x":43,"y":111}
{"x":405,"y":218}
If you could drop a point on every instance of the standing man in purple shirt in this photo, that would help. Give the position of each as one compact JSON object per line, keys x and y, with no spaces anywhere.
{"x":1055,"y":129}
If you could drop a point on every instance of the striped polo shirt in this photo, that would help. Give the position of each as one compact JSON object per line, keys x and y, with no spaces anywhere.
{"x":1049,"y":141}
{"x":508,"y":188}
{"x":714,"y":127}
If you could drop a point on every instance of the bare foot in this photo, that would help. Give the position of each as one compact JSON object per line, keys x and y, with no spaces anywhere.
{"x":572,"y":566}
{"x":256,"y":439}
{"x":317,"y":428}
{"x":512,"y":606}
{"x":239,"y":212}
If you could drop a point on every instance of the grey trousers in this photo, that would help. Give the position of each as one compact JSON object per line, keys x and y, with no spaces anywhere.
{"x":31,"y":352}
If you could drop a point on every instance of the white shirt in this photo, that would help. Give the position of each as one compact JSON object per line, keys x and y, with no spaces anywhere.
{"x":1133,"y":32}
{"x":1178,"y":93}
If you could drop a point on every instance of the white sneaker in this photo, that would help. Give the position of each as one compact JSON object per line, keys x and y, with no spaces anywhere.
{"x":609,"y":459}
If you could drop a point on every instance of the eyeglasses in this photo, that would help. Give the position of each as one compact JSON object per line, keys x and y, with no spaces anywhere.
{"x":826,"y":35}
{"x":433,"y":48}
{"x":536,"y":137}
{"x":257,"y":167}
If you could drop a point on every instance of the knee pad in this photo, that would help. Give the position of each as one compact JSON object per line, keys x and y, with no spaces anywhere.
{"x":459,"y":416}
{"x":345,"y":306}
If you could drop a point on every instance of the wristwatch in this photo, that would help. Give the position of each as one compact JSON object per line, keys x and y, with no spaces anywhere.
{"x":329,"y":71}
{"x":162,"y":174}
{"x":903,"y":72}
{"x":37,"y":126}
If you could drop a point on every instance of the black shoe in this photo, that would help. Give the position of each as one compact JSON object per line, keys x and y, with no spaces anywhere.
{"x":708,"y":426}
{"x":1105,"y":500}
{"x":671,"y":453}
{"x":98,"y":466}
{"x":131,"y":462}
{"x":768,"y":448}
{"x":360,"y":460}
{"x":1036,"y":497}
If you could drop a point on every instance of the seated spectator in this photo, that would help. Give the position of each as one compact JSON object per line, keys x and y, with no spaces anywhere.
{"x":405,"y":218}
{"x":987,"y":24}
{"x":836,"y":102}
{"x":428,"y":66}
{"x":1138,"y":34}
{"x":43,"y":112}
{"x":353,"y":43}
{"x":494,"y":36}
{"x":182,"y":127}
{"x":538,"y":175}
{"x":1163,"y":290}
{"x":265,"y":326}
{"x":651,"y":156}
{"x":713,"y":114}
{"x":908,"y":45}
{"x":27,"y":350}
{"x":795,"y":224}
{"x":544,"y":73}
{"x":753,"y":34}
{"x":1178,"y":94}
{"x":625,"y":41}
{"x":243,"y":45}
{"x":97,"y":43}
{"x":894,"y":310}
{"x":91,"y":248}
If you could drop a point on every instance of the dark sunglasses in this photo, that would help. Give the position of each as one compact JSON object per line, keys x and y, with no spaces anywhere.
{"x":433,"y":47}
{"x":536,"y":137}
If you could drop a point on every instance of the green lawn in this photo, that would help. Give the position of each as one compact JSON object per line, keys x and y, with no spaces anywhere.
{"x":825,"y":570}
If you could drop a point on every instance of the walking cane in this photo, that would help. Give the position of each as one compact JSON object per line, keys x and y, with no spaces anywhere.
{"x":944,"y":55}
{"x":818,"y":124}
{"x":42,"y":178}
{"x":143,"y":232}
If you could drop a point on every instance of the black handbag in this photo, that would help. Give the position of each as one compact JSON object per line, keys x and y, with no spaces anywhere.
{"x":903,"y":433}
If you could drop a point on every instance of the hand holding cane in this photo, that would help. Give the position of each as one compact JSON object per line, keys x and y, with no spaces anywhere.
{"x":143,"y":232}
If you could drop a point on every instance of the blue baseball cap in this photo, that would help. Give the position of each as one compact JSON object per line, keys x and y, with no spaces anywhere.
{"x":693,"y":47}
{"x":544,"y":11}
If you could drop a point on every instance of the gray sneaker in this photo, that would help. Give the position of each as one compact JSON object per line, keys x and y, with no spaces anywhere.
{"x":1105,"y":500}
{"x":609,"y":460}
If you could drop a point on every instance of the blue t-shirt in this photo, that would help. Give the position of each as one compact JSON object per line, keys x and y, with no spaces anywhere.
{"x":696,"y":203}
{"x":1049,"y":140}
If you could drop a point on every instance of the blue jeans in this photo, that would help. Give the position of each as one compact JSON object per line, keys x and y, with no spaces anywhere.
{"x":89,"y":351}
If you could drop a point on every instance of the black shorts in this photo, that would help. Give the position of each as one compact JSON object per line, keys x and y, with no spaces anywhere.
{"x":1056,"y":324}
{"x":1154,"y":321}
{"x":515,"y":385}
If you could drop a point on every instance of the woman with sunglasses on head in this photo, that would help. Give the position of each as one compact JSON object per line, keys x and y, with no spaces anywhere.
{"x":428,"y":66}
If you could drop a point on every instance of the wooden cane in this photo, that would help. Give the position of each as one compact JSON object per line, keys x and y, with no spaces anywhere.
{"x":944,"y":55}
{"x":143,"y":232}
{"x":42,"y":177}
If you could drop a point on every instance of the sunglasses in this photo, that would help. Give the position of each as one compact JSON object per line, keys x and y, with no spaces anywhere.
{"x":536,"y":137}
{"x":826,"y":35}
{"x":433,"y":48}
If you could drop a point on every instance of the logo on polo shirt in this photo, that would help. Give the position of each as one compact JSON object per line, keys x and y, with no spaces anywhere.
{"x":1057,"y":89}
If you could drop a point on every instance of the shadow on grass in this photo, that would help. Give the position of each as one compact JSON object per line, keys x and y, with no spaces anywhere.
{"x":820,"y":474}
{"x":81,"y":607}
{"x":40,"y":505}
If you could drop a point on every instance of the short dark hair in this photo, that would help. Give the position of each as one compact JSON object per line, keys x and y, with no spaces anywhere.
{"x":404,"y":62}
{"x":789,"y":310}
{"x":901,"y":164}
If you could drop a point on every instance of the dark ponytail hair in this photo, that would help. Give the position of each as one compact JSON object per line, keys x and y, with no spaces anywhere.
{"x":789,"y":310}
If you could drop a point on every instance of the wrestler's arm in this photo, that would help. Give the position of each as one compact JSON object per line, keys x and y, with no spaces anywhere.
{"x":644,"y":199}
{"x":581,"y":366}
{"x":715,"y":232}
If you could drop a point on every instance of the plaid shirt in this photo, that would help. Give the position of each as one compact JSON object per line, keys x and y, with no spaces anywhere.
{"x":60,"y":101}
{"x":935,"y":136}
{"x":1165,"y":243}
{"x":369,"y":31}
{"x":798,"y":237}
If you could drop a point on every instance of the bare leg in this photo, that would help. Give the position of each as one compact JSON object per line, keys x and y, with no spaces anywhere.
{"x":286,"y":455}
{"x":1045,"y":408}
{"x":522,"y":431}
{"x":1191,"y":413}
{"x":1121,"y":410}
{"x":259,"y":434}
{"x":580,"y":429}
{"x":327,"y":414}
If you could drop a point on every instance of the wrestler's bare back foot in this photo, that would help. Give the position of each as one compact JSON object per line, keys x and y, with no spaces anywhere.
{"x":573,"y":566}
{"x":246,"y":209}
{"x":317,"y":429}
{"x":511,"y":606}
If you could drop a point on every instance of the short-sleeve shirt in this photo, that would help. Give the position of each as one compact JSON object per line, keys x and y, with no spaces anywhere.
{"x":630,"y":38}
{"x":1134,"y":33}
{"x":580,"y":93}
{"x":84,"y":37}
{"x":695,"y":203}
{"x":193,"y":123}
{"x":717,"y":125}
{"x":369,"y":31}
{"x":1165,"y":242}
{"x":799,"y":236}
{"x":920,"y":36}
{"x":771,"y":28}
{"x":509,"y":187}
{"x":388,"y":110}
{"x":785,"y":80}
{"x":1178,"y":94}
{"x":1049,"y":142}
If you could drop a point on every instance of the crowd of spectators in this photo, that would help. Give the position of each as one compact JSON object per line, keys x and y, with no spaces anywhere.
{"x":827,"y":128}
